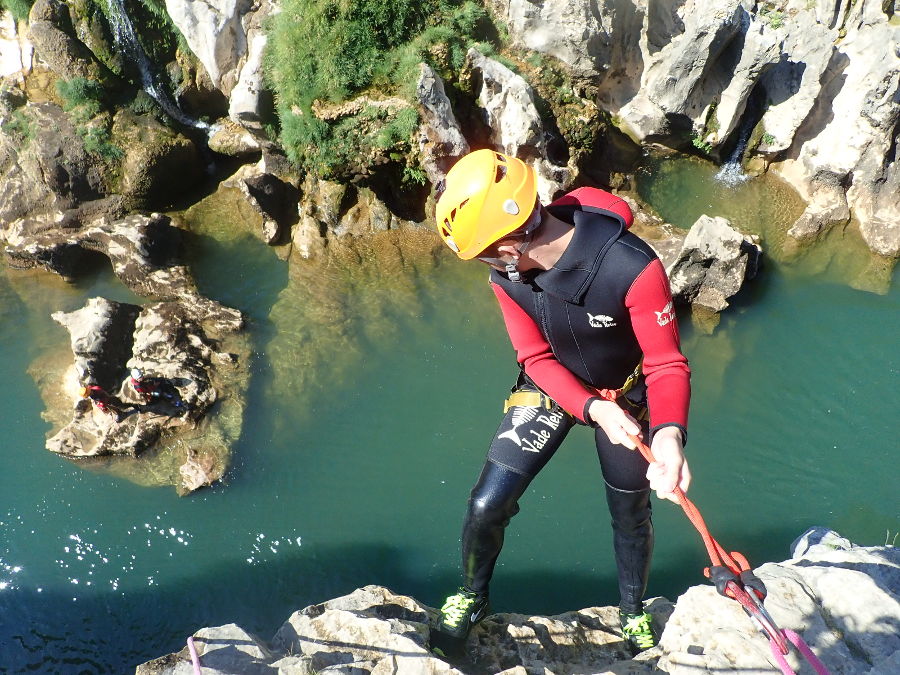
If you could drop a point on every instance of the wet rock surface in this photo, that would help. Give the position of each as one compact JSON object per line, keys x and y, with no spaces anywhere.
{"x":841,"y":598}
{"x":178,"y":338}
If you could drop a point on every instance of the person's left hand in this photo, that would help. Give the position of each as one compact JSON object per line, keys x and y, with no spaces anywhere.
{"x":670,"y":470}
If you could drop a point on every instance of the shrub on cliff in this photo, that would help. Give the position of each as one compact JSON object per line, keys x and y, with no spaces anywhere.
{"x":19,"y":8}
{"x":84,"y":100}
{"x":327,"y":52}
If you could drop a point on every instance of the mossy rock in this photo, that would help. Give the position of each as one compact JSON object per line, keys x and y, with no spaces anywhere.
{"x":56,"y":43}
{"x":92,"y":29}
{"x":159,"y":166}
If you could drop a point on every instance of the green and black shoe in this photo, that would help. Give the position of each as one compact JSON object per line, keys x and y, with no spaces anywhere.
{"x":637,"y":629}
{"x":461,"y":611}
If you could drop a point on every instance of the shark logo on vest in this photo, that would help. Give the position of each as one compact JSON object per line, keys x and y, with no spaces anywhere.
{"x":666,"y":315}
{"x":600,"y":321}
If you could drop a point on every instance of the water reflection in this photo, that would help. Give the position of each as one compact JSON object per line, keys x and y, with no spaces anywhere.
{"x":681,"y":189}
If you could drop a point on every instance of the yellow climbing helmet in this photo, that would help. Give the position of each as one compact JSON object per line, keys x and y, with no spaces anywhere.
{"x":487,"y":196}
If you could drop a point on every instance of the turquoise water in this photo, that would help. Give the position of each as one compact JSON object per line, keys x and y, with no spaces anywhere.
{"x":354,"y":464}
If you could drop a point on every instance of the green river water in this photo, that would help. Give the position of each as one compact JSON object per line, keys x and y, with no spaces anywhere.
{"x":371,"y":403}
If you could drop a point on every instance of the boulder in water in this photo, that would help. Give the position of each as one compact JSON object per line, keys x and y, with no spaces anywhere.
{"x":714,"y":262}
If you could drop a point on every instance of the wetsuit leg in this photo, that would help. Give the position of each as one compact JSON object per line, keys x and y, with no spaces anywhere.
{"x":628,"y":497}
{"x":494,"y":500}
{"x":525,"y":441}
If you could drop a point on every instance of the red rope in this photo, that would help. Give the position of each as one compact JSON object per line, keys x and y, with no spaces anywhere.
{"x":735,"y":561}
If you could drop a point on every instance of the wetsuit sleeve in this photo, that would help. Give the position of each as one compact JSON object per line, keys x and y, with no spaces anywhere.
{"x":533,"y":352}
{"x":668,"y":377}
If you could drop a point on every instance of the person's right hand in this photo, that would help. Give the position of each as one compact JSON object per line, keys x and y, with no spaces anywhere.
{"x":615,"y":422}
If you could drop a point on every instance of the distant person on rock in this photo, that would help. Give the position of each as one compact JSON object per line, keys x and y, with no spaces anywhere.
{"x":155,"y":389}
{"x":103,"y":401}
{"x":589,"y":312}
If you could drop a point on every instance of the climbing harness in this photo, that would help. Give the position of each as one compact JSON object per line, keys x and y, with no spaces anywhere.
{"x":630,"y":381}
{"x":528,"y":399}
{"x":733,"y":578}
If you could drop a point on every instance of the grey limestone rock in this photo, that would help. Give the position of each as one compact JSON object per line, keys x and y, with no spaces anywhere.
{"x":507,"y":102}
{"x":841,"y":598}
{"x":714,"y":262}
{"x":441,"y":141}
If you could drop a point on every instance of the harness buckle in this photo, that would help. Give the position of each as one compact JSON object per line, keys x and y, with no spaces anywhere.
{"x":528,"y":399}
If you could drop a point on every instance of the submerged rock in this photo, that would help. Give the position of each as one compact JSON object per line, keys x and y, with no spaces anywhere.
{"x":827,"y":208}
{"x":841,"y":598}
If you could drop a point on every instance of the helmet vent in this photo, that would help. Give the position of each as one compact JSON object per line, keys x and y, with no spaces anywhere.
{"x":511,"y":207}
{"x":501,"y":173}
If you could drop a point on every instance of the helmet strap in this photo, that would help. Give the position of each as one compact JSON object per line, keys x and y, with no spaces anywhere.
{"x":512,"y":268}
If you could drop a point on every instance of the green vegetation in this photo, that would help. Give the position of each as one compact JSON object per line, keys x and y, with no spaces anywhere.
{"x":82,"y":97}
{"x":20,"y":126}
{"x":329,"y":52}
{"x":158,"y":35}
{"x":772,"y":14}
{"x":700,"y":144}
{"x":84,"y":100}
{"x":19,"y":8}
{"x":98,"y":141}
{"x":768,"y":138}
{"x":712,"y":120}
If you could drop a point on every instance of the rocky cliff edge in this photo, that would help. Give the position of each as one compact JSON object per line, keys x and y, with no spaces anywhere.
{"x":841,"y":598}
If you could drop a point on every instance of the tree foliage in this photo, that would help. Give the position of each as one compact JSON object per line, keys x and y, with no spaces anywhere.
{"x":330,"y":51}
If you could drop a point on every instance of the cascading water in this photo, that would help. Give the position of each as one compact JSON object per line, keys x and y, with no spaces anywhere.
{"x":126,"y":39}
{"x":732,"y":172}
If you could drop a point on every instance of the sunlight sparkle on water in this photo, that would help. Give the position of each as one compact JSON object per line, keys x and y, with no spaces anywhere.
{"x":260,"y":545}
{"x":84,"y":559}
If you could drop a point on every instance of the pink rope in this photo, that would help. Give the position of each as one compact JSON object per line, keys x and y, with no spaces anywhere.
{"x":803,"y":648}
{"x":194,"y":658}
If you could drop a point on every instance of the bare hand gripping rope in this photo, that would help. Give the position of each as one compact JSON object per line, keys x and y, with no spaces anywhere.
{"x":733,"y":578}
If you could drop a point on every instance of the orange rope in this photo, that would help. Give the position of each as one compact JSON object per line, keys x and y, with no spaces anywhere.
{"x":735,"y":561}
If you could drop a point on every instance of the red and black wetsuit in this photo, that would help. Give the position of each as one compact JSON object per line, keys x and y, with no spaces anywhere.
{"x":146,"y":387}
{"x":587,"y":322}
{"x":578,"y":329}
{"x":102,"y":400}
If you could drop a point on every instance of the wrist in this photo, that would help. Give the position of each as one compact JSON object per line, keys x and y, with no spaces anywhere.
{"x":670,"y":432}
{"x":586,"y":412}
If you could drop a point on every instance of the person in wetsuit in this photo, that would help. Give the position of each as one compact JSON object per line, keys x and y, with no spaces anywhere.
{"x":153,"y":389}
{"x":589,"y":313}
{"x":104,"y":402}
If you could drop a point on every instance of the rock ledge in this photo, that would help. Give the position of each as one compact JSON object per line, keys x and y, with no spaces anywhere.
{"x":842,"y":599}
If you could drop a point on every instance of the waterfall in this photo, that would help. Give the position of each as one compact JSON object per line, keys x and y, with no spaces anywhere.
{"x":126,"y":39}
{"x":732,"y":172}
